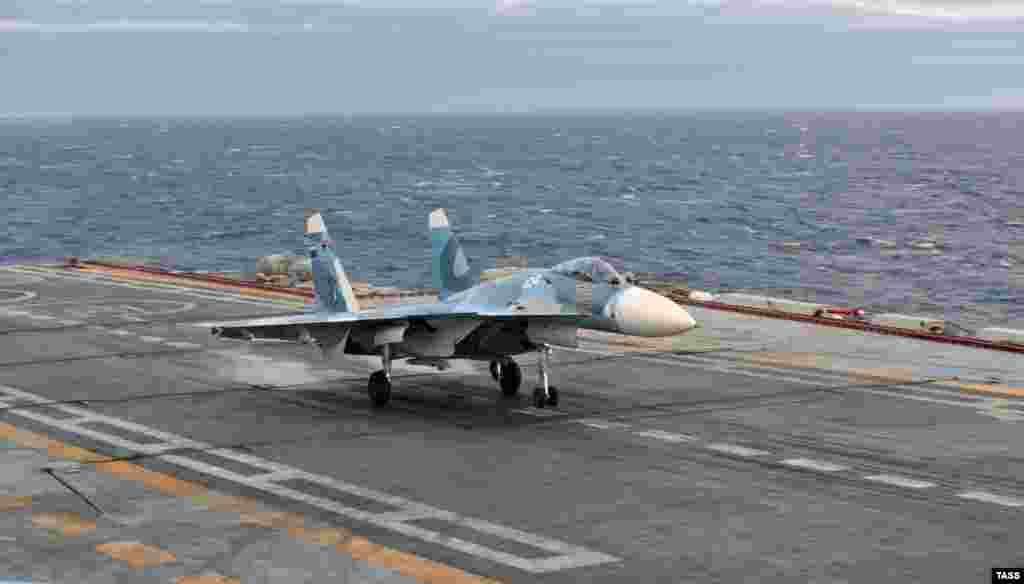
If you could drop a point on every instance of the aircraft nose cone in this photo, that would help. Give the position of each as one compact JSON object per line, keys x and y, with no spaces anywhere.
{"x":643,"y":313}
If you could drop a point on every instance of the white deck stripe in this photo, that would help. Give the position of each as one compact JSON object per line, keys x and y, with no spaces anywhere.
{"x":603,"y":424}
{"x":900,"y":481}
{"x":819,"y":465}
{"x":663,"y":435}
{"x":991,"y":498}
{"x":907,"y":392}
{"x":736,"y":450}
{"x":539,"y":413}
{"x":718,"y":369}
{"x":566,"y":555}
{"x":177,"y":345}
{"x":814,"y":374}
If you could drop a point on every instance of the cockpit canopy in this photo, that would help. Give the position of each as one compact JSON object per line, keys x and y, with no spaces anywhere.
{"x":589,"y":269}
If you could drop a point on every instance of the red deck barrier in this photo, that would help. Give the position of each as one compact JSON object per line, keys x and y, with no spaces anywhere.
{"x":862,"y":326}
{"x":824,"y":321}
{"x":228,"y":281}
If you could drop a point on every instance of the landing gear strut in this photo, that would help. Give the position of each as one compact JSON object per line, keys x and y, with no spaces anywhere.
{"x":380,"y":381}
{"x":545,"y":394}
{"x":508,"y":375}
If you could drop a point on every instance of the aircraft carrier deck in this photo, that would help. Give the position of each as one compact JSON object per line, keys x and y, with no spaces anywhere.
{"x":137,"y":448}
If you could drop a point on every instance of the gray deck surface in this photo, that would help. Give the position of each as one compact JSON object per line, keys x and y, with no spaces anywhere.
{"x":659,"y":465}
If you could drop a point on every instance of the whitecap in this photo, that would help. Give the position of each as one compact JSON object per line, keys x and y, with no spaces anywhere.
{"x":629,"y":197}
{"x":546,"y":210}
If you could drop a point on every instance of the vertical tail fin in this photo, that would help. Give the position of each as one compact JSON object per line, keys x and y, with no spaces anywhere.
{"x":450,"y":269}
{"x":330,"y":284}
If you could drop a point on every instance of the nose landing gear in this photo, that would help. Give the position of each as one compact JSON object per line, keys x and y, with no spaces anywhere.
{"x":545,"y":395}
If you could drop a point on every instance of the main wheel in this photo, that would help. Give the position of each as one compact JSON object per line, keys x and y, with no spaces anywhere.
{"x":511,"y":378}
{"x":539,"y":400}
{"x":552,"y":396}
{"x":379,"y":388}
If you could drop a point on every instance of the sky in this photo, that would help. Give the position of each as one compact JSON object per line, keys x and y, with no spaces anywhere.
{"x":292,"y":57}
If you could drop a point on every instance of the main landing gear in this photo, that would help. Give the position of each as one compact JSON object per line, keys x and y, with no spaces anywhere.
{"x":508,"y":375}
{"x":545,"y":394}
{"x":380,"y":381}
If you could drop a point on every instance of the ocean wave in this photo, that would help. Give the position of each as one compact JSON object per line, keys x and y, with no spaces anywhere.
{"x":723,"y":215}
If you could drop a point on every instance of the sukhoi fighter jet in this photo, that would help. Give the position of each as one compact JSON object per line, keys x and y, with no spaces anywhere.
{"x":495,"y":320}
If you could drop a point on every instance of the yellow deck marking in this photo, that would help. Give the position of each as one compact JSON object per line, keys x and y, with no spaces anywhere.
{"x":228,"y":503}
{"x":66,"y":523}
{"x":156,"y":480}
{"x":884,"y":374}
{"x":823,"y":363}
{"x":10,"y":503}
{"x":136,"y":554}
{"x":986,"y":388}
{"x":272,"y":519}
{"x":206,"y":579}
{"x":407,"y":564}
{"x":424,"y":570}
{"x":324,"y":536}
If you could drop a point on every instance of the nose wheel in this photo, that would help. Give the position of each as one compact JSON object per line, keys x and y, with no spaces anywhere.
{"x":546,"y":394}
{"x":540,"y":400}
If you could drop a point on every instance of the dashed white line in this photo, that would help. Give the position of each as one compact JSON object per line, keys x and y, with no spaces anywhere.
{"x":905,"y":391}
{"x":24,"y":295}
{"x":70,"y":322}
{"x":809,"y":464}
{"x":184,"y":345}
{"x":663,"y":435}
{"x":719,"y":368}
{"x":120,"y":332}
{"x":603,"y":424}
{"x":899,"y":481}
{"x":991,"y":498}
{"x":152,"y":339}
{"x":538,"y":413}
{"x":736,"y":450}
{"x":42,"y":317}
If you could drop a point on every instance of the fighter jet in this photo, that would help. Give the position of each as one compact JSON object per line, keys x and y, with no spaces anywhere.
{"x":492,"y":320}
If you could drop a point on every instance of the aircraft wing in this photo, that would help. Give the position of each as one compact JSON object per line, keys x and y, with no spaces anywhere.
{"x":287,"y":327}
{"x":332,"y":328}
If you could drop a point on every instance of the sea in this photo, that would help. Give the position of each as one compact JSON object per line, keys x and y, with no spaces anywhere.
{"x":913,"y":213}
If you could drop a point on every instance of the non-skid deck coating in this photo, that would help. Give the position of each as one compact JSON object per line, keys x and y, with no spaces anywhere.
{"x":724,"y":466}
